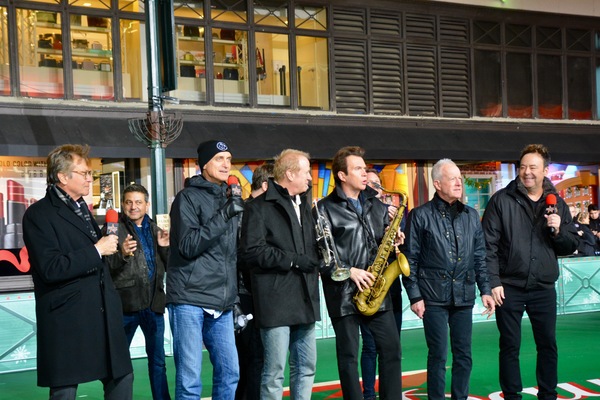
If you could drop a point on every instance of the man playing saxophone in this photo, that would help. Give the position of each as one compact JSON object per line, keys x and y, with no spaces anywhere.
{"x":358,"y":221}
{"x":446,"y":253}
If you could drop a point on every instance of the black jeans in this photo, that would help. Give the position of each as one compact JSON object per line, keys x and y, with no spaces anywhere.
{"x":436,"y":321}
{"x":383,"y":327}
{"x":540,"y":305}
{"x":114,"y":389}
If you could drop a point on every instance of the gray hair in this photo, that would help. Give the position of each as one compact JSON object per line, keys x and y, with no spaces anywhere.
{"x":436,"y":171}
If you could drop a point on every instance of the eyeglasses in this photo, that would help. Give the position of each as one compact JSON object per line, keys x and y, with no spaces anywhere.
{"x":85,"y":174}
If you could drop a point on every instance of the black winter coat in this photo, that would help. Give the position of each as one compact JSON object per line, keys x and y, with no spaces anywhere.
{"x":357,"y":240}
{"x":520,"y":248}
{"x":271,"y":239}
{"x":80,"y":336}
{"x":130,"y":274}
{"x":446,"y":257}
{"x":203,"y":257}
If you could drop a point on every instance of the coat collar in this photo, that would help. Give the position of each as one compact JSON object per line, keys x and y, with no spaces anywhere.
{"x":69,"y":216}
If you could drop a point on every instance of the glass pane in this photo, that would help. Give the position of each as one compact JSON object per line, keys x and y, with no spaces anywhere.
{"x":598,"y":88}
{"x":273,"y":69}
{"x":47,"y":1}
{"x":488,"y":89}
{"x":311,"y":18}
{"x":40,"y":54}
{"x":579,"y":86}
{"x":271,"y":12}
{"x":229,"y":10}
{"x":91,"y":44}
{"x":189,"y":9}
{"x":133,"y":58}
{"x":230,"y":58}
{"x":313,"y":72}
{"x":191,"y":84}
{"x":4,"y":65}
{"x":550,"y":91}
{"x":518,"y":74}
{"x":103,"y":4}
{"x":131,"y":5}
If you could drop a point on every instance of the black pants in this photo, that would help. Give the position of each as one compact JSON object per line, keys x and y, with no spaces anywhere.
{"x":114,"y":389}
{"x":540,"y":305}
{"x":383,"y":327}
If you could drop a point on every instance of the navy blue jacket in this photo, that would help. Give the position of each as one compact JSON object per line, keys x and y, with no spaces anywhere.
{"x":446,"y":257}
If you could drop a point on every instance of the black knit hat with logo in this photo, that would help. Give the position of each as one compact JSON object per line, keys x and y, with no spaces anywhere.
{"x":208,"y":149}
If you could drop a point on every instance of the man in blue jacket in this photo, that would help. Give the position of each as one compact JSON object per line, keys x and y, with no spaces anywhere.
{"x":202,"y":278}
{"x":446,"y":253}
{"x":523,"y":238}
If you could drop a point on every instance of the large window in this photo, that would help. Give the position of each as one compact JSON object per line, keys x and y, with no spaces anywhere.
{"x":133,"y":60}
{"x":313,"y":72}
{"x":4,"y":60}
{"x":519,"y":85}
{"x":550,"y":92}
{"x":273,"y":69}
{"x":488,"y":87}
{"x":230,"y":65}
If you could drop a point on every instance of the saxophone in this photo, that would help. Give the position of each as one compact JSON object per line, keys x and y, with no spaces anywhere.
{"x":369,"y":300}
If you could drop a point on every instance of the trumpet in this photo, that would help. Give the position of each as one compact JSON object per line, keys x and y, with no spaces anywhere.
{"x":327,"y":247}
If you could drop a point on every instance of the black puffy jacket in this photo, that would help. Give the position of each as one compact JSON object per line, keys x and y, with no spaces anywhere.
{"x":357,"y":240}
{"x":446,"y":257}
{"x":202,"y":263}
{"x":520,"y":249}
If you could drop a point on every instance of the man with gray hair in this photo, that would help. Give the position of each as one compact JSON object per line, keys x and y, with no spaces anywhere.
{"x":445,"y":249}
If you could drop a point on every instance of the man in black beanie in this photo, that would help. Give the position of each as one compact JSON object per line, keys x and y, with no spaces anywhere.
{"x":201,"y":279}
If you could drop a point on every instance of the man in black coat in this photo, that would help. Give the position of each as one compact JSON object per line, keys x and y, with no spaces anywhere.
{"x":358,"y":221}
{"x":138,"y":271}
{"x":446,"y":253}
{"x":523,"y":239}
{"x":278,"y":243}
{"x":80,"y":335}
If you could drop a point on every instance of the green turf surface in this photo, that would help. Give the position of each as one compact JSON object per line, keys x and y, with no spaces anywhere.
{"x":579,"y":362}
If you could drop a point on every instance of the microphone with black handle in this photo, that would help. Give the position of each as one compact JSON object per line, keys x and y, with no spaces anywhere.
{"x":234,"y":204}
{"x":551,"y":208}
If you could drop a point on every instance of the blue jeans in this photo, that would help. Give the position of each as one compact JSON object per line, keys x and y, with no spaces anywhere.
{"x":302,"y":344}
{"x":540,"y":305}
{"x":436,"y":321}
{"x":192,"y":327}
{"x":153,"y":327}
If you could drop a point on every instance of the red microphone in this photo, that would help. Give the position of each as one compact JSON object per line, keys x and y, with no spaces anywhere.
{"x":551,"y":208}
{"x":112,"y":222}
{"x":234,"y":186}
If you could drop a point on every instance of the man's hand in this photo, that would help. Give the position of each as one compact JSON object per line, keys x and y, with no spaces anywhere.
{"x":129,"y":246}
{"x":232,"y":207}
{"x":162,"y":238}
{"x":305,"y":263}
{"x":553,"y":221}
{"x":498,"y":295}
{"x":392,"y":210}
{"x":489,"y":304}
{"x":363,"y":279}
{"x":107,"y":245}
{"x":418,"y":308}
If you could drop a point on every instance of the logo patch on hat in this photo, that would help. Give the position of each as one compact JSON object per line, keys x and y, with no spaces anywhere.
{"x":222,"y":146}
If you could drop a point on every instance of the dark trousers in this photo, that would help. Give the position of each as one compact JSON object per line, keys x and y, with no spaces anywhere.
{"x":153,"y":327}
{"x":540,"y":305}
{"x":114,"y":389}
{"x":383,"y":328}
{"x":436,"y":321}
{"x":250,"y":355}
{"x":368,"y":357}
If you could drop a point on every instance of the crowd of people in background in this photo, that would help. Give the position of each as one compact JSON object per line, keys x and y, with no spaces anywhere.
{"x":225,"y":258}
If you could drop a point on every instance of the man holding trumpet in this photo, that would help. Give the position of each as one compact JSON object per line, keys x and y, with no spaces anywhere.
{"x":358,"y":222}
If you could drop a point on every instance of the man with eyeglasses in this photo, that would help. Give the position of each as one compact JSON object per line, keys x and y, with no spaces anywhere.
{"x":446,"y":253}
{"x":80,"y":336}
